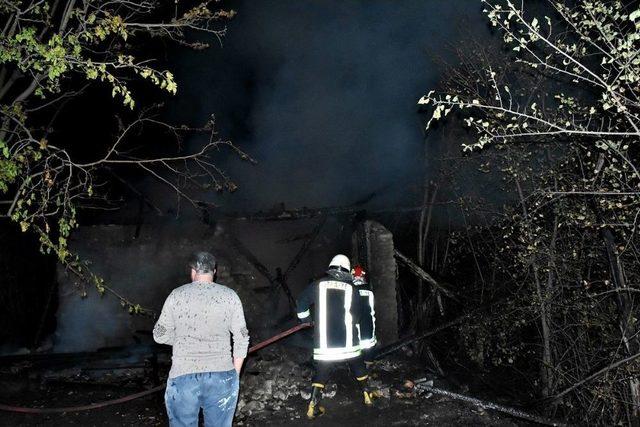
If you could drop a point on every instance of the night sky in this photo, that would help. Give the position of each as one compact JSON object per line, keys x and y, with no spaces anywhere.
{"x":323,"y":94}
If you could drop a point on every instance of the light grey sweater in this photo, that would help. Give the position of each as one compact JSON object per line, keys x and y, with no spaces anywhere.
{"x":197,"y":320}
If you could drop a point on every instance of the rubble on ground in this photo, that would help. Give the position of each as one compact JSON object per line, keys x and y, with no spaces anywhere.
{"x":281,"y":383}
{"x":274,"y":390}
{"x":272,"y":383}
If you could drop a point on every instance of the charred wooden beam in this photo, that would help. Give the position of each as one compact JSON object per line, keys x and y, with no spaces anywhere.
{"x":307,"y":244}
{"x":305,"y":213}
{"x":137,"y":192}
{"x":252,"y":259}
{"x":281,"y":278}
{"x":279,"y":281}
{"x":419,"y":272}
{"x":397,"y":346}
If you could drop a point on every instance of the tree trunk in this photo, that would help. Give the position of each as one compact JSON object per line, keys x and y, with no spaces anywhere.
{"x":628,"y":328}
{"x":423,"y":232}
{"x":546,"y":371}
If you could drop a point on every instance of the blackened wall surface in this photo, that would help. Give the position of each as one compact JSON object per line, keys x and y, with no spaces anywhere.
{"x":28,"y":291}
{"x":146,"y":268}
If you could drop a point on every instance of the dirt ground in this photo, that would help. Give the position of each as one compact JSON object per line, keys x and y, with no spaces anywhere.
{"x":273,"y":389}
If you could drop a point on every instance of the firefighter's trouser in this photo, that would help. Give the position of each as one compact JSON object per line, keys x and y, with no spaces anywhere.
{"x":368,"y":355}
{"x":324,"y":369}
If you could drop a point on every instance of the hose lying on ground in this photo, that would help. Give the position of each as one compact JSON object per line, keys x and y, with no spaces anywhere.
{"x":128,"y":398}
{"x":422,"y":384}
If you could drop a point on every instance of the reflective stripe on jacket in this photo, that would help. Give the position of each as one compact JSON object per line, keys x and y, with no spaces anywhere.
{"x":336,"y":312}
{"x":367,"y":324}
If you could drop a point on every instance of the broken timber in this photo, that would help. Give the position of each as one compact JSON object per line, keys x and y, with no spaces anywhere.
{"x":274,"y":281}
{"x":249,"y":256}
{"x":422,"y":384}
{"x":418,"y":271}
{"x":305,"y":246}
{"x":413,"y":338}
{"x":282,"y":278}
{"x":397,"y":346}
{"x":305,"y":213}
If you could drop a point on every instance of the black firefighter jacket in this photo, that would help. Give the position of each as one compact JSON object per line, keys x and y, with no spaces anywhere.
{"x":336,"y":313}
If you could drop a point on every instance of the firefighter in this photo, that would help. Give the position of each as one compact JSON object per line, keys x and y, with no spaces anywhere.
{"x":336,"y":315}
{"x":367,"y":324}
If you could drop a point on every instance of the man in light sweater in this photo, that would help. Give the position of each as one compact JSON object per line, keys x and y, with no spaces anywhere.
{"x":198,"y":320}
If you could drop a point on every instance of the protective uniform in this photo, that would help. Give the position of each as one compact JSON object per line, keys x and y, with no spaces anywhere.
{"x":335,"y":305}
{"x":367,"y":323}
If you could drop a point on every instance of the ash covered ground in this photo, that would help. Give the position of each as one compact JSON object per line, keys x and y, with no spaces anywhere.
{"x":274,"y":388}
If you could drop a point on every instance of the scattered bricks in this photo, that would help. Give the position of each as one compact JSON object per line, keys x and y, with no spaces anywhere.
{"x":384,"y":392}
{"x":330,"y":392}
{"x":254,"y":406}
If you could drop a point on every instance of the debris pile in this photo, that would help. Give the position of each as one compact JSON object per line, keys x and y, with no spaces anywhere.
{"x":280,"y":383}
{"x":137,"y":367}
{"x":273,"y":384}
{"x":274,"y":390}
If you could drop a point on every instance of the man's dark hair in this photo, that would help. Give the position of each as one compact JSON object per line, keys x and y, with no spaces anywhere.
{"x":202,"y":262}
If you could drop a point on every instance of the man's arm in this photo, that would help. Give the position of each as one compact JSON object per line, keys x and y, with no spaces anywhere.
{"x":240,"y":334}
{"x":237,"y":364}
{"x":164,"y":331}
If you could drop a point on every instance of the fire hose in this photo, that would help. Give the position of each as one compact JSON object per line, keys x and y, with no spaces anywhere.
{"x":427,"y":386}
{"x":138,"y":395}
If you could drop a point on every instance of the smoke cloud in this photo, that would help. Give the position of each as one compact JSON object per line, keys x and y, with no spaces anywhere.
{"x":323,"y":94}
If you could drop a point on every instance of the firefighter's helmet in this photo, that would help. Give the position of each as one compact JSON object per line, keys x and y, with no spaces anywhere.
{"x":340,"y":262}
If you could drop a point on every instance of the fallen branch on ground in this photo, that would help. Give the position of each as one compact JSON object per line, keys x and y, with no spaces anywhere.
{"x":594,"y":376}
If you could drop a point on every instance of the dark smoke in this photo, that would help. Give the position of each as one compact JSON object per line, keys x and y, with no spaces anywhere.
{"x":323,"y":94}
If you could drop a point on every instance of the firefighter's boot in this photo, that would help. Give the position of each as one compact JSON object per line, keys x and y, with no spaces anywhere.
{"x":367,"y":394}
{"x":314,"y":410}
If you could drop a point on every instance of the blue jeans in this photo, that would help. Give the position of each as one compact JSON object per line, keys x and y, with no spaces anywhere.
{"x":215,"y":392}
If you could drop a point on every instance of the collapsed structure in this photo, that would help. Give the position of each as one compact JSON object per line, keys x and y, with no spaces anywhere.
{"x":266,"y":261}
